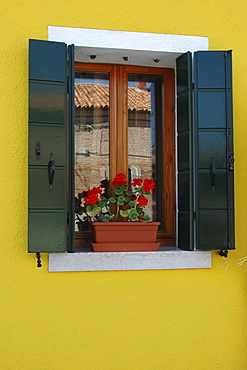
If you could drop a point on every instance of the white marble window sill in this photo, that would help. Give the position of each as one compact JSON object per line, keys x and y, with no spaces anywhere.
{"x":117,"y":261}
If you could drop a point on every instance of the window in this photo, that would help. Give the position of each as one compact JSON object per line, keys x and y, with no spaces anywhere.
{"x":124,"y":122}
{"x":204,"y":143}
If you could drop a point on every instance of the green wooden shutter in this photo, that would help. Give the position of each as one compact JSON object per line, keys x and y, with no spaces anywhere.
{"x":71,"y":151}
{"x":185,"y":152}
{"x":47,"y":146}
{"x":205,"y":153}
{"x":214,"y":142}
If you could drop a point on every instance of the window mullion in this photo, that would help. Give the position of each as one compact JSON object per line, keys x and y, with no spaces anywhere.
{"x":113,"y":122}
{"x":122,"y":120}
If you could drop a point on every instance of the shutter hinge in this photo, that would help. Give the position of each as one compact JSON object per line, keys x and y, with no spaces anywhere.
{"x":227,"y":53}
{"x":223,"y":253}
{"x":193,"y":86}
{"x":39,"y":264}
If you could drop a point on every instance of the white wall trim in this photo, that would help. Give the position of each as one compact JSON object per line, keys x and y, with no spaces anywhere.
{"x":127,"y":40}
{"x":115,"y":261}
{"x":141,"y":48}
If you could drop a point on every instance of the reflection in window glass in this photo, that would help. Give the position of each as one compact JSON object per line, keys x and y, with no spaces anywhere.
{"x":91,"y":129}
{"x":145,"y":133}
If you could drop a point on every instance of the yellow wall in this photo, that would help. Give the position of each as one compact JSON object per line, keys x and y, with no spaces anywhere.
{"x":180,"y":319}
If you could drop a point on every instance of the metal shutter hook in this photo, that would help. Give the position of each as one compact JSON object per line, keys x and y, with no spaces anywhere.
{"x":51,"y":171}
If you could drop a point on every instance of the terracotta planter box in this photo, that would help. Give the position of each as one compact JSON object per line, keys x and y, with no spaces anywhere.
{"x":125,"y":236}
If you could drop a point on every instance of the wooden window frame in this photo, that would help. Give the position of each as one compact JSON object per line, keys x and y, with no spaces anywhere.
{"x":119,"y":138}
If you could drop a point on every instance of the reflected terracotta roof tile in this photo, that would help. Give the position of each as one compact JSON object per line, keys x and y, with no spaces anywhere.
{"x":97,"y":96}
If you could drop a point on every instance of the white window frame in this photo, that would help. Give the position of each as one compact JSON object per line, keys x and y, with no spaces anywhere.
{"x":137,"y":48}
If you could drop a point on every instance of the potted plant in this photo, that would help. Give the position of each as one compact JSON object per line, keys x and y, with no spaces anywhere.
{"x":119,"y":222}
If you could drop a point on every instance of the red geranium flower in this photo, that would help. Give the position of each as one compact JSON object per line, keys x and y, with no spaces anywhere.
{"x":136,"y":182}
{"x":148,"y":184}
{"x":92,"y":196}
{"x":120,"y":179}
{"x":97,"y":190}
{"x":91,"y":200}
{"x":142,"y":201}
{"x":130,"y":201}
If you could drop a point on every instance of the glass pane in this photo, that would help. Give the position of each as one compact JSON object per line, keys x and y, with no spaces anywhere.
{"x":91,"y":130}
{"x":145,"y":136}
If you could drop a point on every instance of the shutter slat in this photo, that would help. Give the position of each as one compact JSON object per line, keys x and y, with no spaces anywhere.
{"x":205,"y":152}
{"x":47,"y":142}
{"x":214,"y":142}
{"x":185,"y":152}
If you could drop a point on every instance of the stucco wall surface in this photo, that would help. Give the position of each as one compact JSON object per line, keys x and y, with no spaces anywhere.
{"x":164,"y":319}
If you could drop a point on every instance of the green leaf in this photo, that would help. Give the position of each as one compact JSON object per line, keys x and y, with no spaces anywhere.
{"x":137,"y":189}
{"x":124,"y":213}
{"x":134,"y":217}
{"x":120,"y":203}
{"x":132,"y":203}
{"x":96,"y":209}
{"x":104,"y":218}
{"x":147,"y":218}
{"x":146,"y":193}
{"x":89,"y":208}
{"x":117,"y":192}
{"x":140,"y":210}
{"x":101,"y":203}
{"x":112,"y":200}
{"x":133,"y":211}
